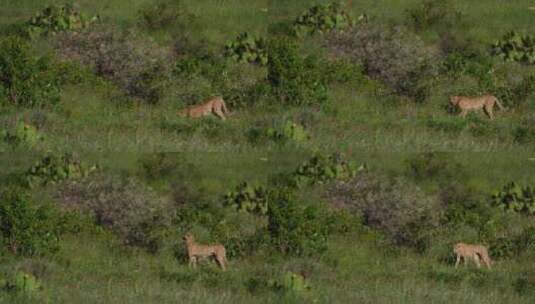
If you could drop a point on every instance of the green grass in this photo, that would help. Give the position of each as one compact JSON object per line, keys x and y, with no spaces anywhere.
{"x":212,"y":157}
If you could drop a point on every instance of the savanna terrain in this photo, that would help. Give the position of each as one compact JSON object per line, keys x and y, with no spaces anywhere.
{"x":342,"y":173}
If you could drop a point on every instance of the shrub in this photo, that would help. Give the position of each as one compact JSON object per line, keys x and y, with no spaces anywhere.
{"x":431,"y":14}
{"x":394,"y":56}
{"x":465,"y":207}
{"x":294,"y":228}
{"x":519,"y":92}
{"x":289,"y":282}
{"x":247,"y":48}
{"x":163,"y":14}
{"x":525,"y":132}
{"x":71,"y":72}
{"x":508,"y":84}
{"x":136,"y":65}
{"x":161,"y":165}
{"x":54,"y":19}
{"x":510,"y":246}
{"x":210,"y":74}
{"x":514,"y":197}
{"x":52,"y":169}
{"x":323,"y":18}
{"x":241,"y":233}
{"x":515,"y":47}
{"x":24,"y":134}
{"x":341,"y":221}
{"x":26,"y":80}
{"x":399,"y":209}
{"x":294,"y":79}
{"x":321,"y":169}
{"x":342,"y":71}
{"x":27,"y":228}
{"x":434,"y":166}
{"x":127,"y":207}
{"x":287,"y":131}
{"x":248,"y":95}
{"x":23,"y":283}
{"x":525,"y":283}
{"x":249,"y":199}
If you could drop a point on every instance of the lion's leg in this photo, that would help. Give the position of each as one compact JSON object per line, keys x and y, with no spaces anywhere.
{"x":476,"y":260}
{"x":488,"y":111}
{"x":463,"y":113}
{"x":224,"y":107}
{"x":221,"y":261}
{"x":486,"y":260}
{"x":191,"y":261}
{"x":219,"y":113}
{"x":458,"y":261}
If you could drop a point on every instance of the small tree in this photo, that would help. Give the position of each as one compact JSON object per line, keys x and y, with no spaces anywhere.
{"x":294,"y":79}
{"x":294,"y":228}
{"x":27,"y":228}
{"x":25,"y":79}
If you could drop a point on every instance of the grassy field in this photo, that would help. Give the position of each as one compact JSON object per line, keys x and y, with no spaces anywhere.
{"x":458,"y":163}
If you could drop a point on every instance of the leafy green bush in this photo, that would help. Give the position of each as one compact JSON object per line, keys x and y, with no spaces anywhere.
{"x":247,"y":48}
{"x":242,"y":233}
{"x":22,"y":282}
{"x":508,"y":84}
{"x":431,"y":14}
{"x":510,"y":246}
{"x":289,"y":282}
{"x":342,"y":71}
{"x":249,"y":199}
{"x":321,"y":169}
{"x":287,"y":131}
{"x":199,"y":76}
{"x":394,"y":56}
{"x":26,"y":79}
{"x":27,"y":228}
{"x":24,"y":134}
{"x":465,"y":207}
{"x":52,"y":169}
{"x":163,"y":14}
{"x":54,"y":19}
{"x":135,"y":64}
{"x":249,"y":95}
{"x":294,"y":79}
{"x":401,"y":210}
{"x":434,"y":166}
{"x":525,"y":132}
{"x":514,"y":197}
{"x":525,"y":283}
{"x":295,"y":228}
{"x":71,"y":72}
{"x":126,"y":206}
{"x":161,"y":165}
{"x":323,"y":18}
{"x":342,"y":221}
{"x":515,"y":47}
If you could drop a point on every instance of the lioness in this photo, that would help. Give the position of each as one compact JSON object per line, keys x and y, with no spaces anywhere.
{"x":485,"y":102}
{"x":473,"y":252}
{"x":215,"y":106}
{"x":196,"y":251}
